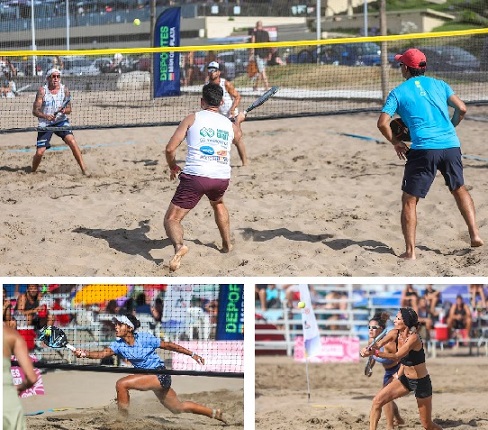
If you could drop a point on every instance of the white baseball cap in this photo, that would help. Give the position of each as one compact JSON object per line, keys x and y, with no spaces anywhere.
{"x":214,"y":65}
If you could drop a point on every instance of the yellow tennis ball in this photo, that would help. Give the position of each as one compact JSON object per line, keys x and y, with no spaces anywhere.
{"x":137,"y":21}
{"x":301,"y":305}
{"x":47,"y":332}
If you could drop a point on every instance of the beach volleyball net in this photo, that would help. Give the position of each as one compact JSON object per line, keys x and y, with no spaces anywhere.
{"x":323,"y":77}
{"x":206,"y":319}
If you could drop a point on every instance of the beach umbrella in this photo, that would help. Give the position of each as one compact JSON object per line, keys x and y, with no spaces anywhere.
{"x":98,"y":293}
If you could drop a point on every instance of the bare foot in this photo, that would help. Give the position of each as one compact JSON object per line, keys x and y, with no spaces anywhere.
{"x":408,"y":256}
{"x":476,"y":242}
{"x":218,"y":415}
{"x":227,"y":249}
{"x":175,"y":262}
{"x":399,"y":421}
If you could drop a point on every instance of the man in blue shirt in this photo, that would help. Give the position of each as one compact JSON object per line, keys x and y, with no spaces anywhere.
{"x":423,"y":104}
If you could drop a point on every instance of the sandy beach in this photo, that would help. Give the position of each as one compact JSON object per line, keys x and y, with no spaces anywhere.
{"x":314,"y":201}
{"x":86,"y":401}
{"x":340,"y":394}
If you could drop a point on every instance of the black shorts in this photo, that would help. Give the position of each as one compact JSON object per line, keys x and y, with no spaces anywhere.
{"x":422,"y":166}
{"x":422,"y":387}
{"x":164,"y":380}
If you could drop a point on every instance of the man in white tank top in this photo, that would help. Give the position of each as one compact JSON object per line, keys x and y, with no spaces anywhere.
{"x":230,"y":101}
{"x":47,"y":107}
{"x":209,"y":136}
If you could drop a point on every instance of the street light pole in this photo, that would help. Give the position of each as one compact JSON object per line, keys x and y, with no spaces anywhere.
{"x":67,"y":25}
{"x":366,"y":18}
{"x":33,"y":34}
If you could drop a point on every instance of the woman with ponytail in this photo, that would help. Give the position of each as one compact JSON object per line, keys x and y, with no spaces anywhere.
{"x":376,"y":325}
{"x":413,"y":372}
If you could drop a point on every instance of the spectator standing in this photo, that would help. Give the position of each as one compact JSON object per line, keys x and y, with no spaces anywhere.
{"x":260,"y":292}
{"x":260,"y":55}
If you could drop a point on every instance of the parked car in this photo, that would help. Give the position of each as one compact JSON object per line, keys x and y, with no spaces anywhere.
{"x":344,"y":54}
{"x":79,"y":66}
{"x":234,"y":62}
{"x":450,"y":59}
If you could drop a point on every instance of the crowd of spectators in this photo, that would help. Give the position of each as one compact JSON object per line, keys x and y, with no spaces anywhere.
{"x":464,"y":317}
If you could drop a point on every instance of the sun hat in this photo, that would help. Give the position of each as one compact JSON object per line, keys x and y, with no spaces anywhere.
{"x":413,"y":58}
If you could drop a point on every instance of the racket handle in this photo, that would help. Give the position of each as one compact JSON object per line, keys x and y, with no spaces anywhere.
{"x":71,"y":347}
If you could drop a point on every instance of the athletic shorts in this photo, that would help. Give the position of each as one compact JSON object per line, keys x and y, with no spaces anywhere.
{"x":192,"y":188}
{"x":164,"y":380}
{"x":422,"y":166}
{"x":260,"y":63}
{"x":389,"y":373}
{"x":44,"y":137}
{"x":422,"y":387}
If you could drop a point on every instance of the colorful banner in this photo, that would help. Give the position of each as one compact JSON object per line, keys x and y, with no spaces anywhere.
{"x":225,"y":356}
{"x":332,"y":349}
{"x":18,"y":376}
{"x":230,"y":319}
{"x":167,"y":64}
{"x":309,"y":322}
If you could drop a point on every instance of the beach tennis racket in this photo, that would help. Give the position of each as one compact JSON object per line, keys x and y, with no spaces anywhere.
{"x":55,"y":338}
{"x":400,"y":130}
{"x":378,"y":338}
{"x":368,"y":370}
{"x":259,"y":101}
{"x":66,"y":101}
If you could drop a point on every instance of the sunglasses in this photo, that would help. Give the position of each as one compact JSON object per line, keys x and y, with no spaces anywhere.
{"x":373,"y":327}
{"x":55,"y":76}
{"x":212,"y":70}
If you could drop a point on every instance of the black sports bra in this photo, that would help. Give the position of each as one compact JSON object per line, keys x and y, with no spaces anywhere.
{"x":413,"y":357}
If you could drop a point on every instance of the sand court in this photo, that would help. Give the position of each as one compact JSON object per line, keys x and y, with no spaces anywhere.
{"x":321,"y":197}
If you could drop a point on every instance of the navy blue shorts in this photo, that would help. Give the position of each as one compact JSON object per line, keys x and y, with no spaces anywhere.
{"x":389,"y":373}
{"x":192,"y":188}
{"x":422,"y":166}
{"x":164,"y":380}
{"x":44,"y":137}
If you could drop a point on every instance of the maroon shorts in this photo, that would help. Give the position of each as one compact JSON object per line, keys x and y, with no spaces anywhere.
{"x":192,"y":188}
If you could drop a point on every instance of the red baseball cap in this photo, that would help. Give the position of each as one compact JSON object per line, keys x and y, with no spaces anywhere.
{"x":412,"y":58}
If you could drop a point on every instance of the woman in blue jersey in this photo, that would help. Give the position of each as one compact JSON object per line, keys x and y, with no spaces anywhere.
{"x":140,"y":350}
{"x":376,"y":325}
{"x":413,"y":373}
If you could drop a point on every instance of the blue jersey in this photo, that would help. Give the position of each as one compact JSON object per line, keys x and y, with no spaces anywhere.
{"x":421,"y":102}
{"x":142,"y":354}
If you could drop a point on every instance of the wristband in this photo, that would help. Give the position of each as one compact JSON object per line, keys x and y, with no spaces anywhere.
{"x":175,"y":169}
{"x":193,"y":355}
{"x":377,"y":351}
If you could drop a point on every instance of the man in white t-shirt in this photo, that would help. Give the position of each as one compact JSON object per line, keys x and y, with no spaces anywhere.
{"x":209,"y":136}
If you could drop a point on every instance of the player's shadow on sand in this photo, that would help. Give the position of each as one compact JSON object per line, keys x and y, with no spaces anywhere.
{"x":265,"y":235}
{"x":26,"y":169}
{"x":326,"y":239}
{"x":133,"y":242}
